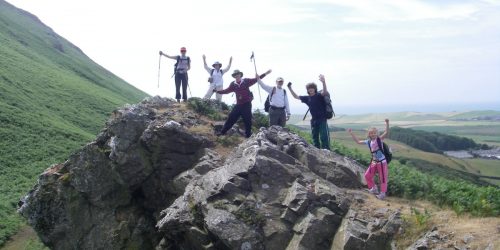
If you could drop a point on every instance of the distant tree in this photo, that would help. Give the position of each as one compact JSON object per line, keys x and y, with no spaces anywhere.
{"x":431,"y":141}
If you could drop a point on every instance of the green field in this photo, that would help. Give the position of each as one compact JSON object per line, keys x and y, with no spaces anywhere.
{"x":53,"y":100}
{"x":462,"y":124}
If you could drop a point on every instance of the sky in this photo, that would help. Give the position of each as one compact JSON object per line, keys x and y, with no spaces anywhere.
{"x":376,"y":55}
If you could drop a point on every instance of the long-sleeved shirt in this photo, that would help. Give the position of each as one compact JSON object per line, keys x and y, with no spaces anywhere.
{"x":278,"y":99}
{"x":242,"y":90}
{"x":217,"y":74}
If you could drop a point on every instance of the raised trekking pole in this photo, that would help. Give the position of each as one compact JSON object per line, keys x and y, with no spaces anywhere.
{"x":159,"y":64}
{"x":252,"y":58}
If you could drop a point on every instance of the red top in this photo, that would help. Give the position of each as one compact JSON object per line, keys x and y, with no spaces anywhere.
{"x":242,"y":90}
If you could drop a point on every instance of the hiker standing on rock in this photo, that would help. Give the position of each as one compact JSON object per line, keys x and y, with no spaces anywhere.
{"x":279,"y":110}
{"x":316,"y":102}
{"x":378,"y":163}
{"x":182,"y":66}
{"x":215,"y":79}
{"x":243,"y":107}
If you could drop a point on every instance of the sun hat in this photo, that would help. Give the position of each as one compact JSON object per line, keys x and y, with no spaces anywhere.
{"x":236,"y":72}
{"x":217,"y":63}
{"x":279,"y":79}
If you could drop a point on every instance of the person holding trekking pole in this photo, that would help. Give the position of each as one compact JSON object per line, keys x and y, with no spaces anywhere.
{"x":316,"y":102}
{"x":243,"y":107}
{"x":182,"y":66}
{"x":215,"y":79}
{"x":277,"y":101}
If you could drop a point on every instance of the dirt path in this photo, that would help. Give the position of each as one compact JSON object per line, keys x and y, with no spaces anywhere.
{"x":26,"y":238}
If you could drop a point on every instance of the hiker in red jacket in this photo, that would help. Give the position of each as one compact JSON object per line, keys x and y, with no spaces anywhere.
{"x":243,"y":107}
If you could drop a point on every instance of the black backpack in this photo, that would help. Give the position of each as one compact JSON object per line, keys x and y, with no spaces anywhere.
{"x":178,"y":60}
{"x":328,"y":108}
{"x":386,"y":150}
{"x":267,"y":104}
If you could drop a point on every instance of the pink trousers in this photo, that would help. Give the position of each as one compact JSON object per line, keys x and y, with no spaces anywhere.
{"x":381,"y":169}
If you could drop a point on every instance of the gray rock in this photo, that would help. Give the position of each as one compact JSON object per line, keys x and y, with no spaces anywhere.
{"x":146,"y":182}
{"x":428,"y":241}
{"x":367,"y":231}
{"x":468,"y":238}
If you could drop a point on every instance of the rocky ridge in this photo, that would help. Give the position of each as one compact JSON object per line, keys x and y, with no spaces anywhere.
{"x":148,"y":182}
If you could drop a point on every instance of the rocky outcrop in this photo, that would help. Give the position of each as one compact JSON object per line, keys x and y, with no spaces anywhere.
{"x":365,"y":228}
{"x":149,"y":182}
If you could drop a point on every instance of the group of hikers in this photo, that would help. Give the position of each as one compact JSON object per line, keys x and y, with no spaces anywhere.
{"x":279,"y":110}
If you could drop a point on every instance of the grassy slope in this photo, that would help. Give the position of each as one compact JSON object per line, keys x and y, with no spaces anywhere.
{"x":53,"y":99}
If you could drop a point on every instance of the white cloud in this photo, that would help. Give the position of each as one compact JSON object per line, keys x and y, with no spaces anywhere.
{"x":362,"y":11}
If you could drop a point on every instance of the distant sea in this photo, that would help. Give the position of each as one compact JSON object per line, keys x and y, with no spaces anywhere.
{"x":425,"y":108}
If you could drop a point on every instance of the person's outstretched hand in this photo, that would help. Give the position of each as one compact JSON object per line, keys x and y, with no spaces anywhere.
{"x":322,"y":78}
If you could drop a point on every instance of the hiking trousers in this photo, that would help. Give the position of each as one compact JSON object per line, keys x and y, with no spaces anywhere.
{"x":379,"y":167}
{"x":245,"y":111}
{"x":320,"y":133}
{"x":277,"y":116}
{"x":210,"y":92}
{"x":181,"y":79}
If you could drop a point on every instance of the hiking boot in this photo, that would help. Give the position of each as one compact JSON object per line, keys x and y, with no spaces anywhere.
{"x":373,"y":190}
{"x":218,"y":133}
{"x":178,"y":100}
{"x":380,"y":196}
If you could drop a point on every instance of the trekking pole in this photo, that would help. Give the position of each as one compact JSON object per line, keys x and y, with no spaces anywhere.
{"x":189,"y":88}
{"x":252,"y":58}
{"x":159,"y":64}
{"x":305,"y":115}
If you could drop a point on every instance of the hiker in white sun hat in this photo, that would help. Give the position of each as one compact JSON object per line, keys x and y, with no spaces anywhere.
{"x":215,"y":80}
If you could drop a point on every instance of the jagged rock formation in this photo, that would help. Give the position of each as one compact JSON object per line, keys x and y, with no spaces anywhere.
{"x":149,"y":182}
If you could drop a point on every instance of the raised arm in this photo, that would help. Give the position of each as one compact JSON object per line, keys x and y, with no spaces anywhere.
{"x":386,"y":132}
{"x":292,"y":92}
{"x":228,"y":65}
{"x":205,"y":64}
{"x":171,"y":57}
{"x":266,"y":87}
{"x":325,"y":90}
{"x":354,"y":137}
{"x":253,"y":81}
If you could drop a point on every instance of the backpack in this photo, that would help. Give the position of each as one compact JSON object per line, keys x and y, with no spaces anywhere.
{"x":386,"y":150}
{"x":211,"y":79}
{"x":328,"y":107}
{"x":267,"y":104}
{"x":178,"y":60}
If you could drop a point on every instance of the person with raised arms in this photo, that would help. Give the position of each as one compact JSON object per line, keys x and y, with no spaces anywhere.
{"x":316,"y":102}
{"x":215,"y":79}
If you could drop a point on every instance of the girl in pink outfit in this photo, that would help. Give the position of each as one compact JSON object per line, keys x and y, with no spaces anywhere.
{"x":378,"y":163}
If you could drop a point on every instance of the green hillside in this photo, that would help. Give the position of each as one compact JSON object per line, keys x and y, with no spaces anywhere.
{"x":53,"y":99}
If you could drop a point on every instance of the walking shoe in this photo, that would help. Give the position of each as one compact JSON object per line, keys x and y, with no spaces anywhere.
{"x":373,"y":190}
{"x":380,"y":196}
{"x":178,"y":100}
